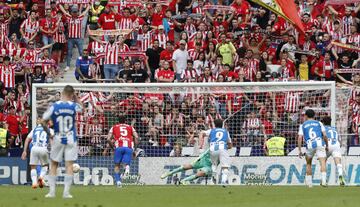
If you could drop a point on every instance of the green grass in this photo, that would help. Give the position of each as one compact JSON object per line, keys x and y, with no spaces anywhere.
{"x":183,"y":196}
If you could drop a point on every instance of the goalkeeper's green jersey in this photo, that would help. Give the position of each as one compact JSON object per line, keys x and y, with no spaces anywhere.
{"x":203,"y":162}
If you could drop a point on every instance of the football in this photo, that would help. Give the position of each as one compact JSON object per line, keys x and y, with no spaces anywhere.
{"x":76,"y":168}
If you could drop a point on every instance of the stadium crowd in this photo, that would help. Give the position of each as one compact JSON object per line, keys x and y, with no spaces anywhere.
{"x":175,"y":41}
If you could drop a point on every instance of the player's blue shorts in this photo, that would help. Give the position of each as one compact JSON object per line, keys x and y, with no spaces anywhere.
{"x":123,"y":155}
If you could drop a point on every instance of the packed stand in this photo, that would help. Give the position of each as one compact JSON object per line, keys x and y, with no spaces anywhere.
{"x":184,"y":41}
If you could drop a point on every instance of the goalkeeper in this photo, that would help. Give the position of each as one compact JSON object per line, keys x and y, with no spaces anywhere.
{"x":202,"y":164}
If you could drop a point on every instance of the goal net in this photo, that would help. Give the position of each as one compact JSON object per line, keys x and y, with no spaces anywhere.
{"x":169,"y":117}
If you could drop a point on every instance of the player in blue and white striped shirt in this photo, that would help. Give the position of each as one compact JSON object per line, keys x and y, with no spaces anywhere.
{"x":38,"y":153}
{"x":314,"y":134}
{"x":219,"y":141}
{"x":334,"y":147}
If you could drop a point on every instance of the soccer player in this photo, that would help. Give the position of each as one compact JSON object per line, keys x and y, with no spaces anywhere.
{"x":334,"y":147}
{"x":62,"y":113}
{"x":125,"y":137}
{"x":38,"y":154}
{"x":219,"y":141}
{"x":314,"y":134}
{"x":202,"y":164}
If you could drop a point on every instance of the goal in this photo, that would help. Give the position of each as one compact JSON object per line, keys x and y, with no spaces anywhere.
{"x":169,"y":118}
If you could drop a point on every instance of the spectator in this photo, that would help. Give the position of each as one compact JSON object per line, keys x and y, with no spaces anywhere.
{"x":324,"y":70}
{"x":201,"y":63}
{"x":180,"y":58}
{"x":168,"y":52}
{"x":7,"y":73}
{"x":165,"y":75}
{"x":290,"y":47}
{"x":304,"y":68}
{"x":95,"y":12}
{"x":75,"y":35}
{"x":156,"y":125}
{"x":124,"y":73}
{"x":38,"y":76}
{"x":17,"y":18}
{"x":176,"y":152}
{"x":174,"y":126}
{"x":107,"y":19}
{"x":48,"y":27}
{"x":29,"y":28}
{"x":226,"y":49}
{"x":189,"y":74}
{"x":83,"y":65}
{"x":153,"y":58}
{"x":14,"y":127}
{"x":138,"y":74}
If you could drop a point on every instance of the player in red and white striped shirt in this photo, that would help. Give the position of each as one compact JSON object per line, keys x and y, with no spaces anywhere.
{"x":124,"y":138}
{"x":30,"y":27}
{"x":7,"y":73}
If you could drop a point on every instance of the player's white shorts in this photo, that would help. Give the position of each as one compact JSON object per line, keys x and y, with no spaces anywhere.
{"x":39,"y":156}
{"x":220,"y":156}
{"x":334,"y":151}
{"x":319,"y":151}
{"x":67,"y":151}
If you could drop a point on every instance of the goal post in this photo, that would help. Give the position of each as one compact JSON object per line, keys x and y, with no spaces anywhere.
{"x":170,"y":116}
{"x":181,"y":87}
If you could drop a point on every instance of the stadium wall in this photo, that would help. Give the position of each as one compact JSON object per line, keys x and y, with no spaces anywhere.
{"x":244,"y":171}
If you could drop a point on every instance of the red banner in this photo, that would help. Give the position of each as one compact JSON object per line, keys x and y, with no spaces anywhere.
{"x":290,"y":11}
{"x":342,"y":2}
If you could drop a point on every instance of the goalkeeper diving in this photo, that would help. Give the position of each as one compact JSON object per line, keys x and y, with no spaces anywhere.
{"x":216,"y":155}
{"x":202,"y":164}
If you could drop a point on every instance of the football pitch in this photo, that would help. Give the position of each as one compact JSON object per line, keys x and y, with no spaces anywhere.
{"x":183,"y":196}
